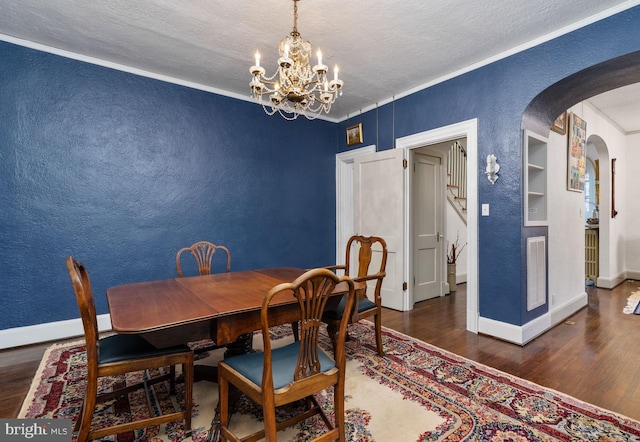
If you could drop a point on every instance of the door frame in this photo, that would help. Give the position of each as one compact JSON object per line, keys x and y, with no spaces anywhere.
{"x":344,"y":192}
{"x":466,"y":129}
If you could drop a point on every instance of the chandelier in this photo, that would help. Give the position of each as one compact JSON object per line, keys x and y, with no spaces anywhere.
{"x":295,"y":88}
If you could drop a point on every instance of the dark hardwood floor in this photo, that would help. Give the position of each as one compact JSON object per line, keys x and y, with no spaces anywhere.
{"x":590,"y":356}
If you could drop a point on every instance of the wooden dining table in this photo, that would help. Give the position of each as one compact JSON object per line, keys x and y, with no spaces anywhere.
{"x":221,"y":306}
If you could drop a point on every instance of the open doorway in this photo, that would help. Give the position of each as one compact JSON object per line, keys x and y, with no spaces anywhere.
{"x":344,"y":192}
{"x":439,"y":218}
{"x":597,"y":207}
{"x":443,"y":137}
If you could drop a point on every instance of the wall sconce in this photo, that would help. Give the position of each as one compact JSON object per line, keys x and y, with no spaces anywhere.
{"x":492,"y":168}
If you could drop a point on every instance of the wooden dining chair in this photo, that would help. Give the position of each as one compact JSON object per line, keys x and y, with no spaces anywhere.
{"x":203,"y":252}
{"x":296,"y":371}
{"x":362,"y":270}
{"x":120,"y":354}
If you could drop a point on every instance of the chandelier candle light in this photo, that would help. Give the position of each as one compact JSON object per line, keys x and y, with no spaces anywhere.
{"x":295,"y":88}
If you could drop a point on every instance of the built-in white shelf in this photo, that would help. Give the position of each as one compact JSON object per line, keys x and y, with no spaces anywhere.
{"x":535,"y":179}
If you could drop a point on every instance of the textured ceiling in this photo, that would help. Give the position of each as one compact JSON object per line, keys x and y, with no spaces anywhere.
{"x":384,"y":49}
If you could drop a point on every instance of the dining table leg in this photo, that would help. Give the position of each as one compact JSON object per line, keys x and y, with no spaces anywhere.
{"x":242,"y":345}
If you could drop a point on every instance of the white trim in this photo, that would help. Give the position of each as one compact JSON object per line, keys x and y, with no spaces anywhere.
{"x":523,"y":47}
{"x":51,"y":331}
{"x":344,"y":196}
{"x":632,"y":274}
{"x":567,"y":309}
{"x":461,"y":278}
{"x":140,"y":72}
{"x":609,"y":283}
{"x":523,"y":334}
{"x":513,"y":333}
{"x":468,"y":129}
{"x":122,"y":67}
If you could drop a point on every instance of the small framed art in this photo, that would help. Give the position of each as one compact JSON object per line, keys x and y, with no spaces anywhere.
{"x":354,"y":134}
{"x":560,"y":125}
{"x":576,"y":158}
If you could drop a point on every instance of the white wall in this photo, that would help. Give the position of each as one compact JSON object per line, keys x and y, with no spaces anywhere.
{"x":456,"y":226}
{"x":566,"y":229}
{"x":566,"y":216}
{"x":613,"y":145}
{"x":630,"y":206}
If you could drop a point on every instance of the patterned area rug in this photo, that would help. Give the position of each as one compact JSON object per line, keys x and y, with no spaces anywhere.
{"x":633,"y":304}
{"x":417,"y":392}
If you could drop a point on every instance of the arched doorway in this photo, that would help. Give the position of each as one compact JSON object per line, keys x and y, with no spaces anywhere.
{"x":539,"y":116}
{"x":602,"y":197}
{"x":603,"y":77}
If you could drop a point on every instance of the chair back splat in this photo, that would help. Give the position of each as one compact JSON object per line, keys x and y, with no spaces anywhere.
{"x":295,"y":371}
{"x":203,"y":252}
{"x":368,"y":248}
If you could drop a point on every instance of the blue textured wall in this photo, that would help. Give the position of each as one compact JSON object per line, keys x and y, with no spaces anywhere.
{"x":121,"y":171}
{"x":497,"y":95}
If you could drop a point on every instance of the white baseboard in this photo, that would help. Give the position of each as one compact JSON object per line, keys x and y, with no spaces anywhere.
{"x":522,"y":334}
{"x":609,"y":283}
{"x":51,"y":331}
{"x":631,"y":274}
{"x":562,"y":312}
{"x":517,"y":334}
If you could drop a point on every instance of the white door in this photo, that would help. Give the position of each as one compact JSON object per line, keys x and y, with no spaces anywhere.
{"x":427,"y":228}
{"x":344,"y":197}
{"x":378,"y":181}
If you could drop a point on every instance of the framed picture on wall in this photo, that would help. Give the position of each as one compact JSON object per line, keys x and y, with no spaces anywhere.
{"x":560,"y":125}
{"x":577,"y":150}
{"x":354,"y":134}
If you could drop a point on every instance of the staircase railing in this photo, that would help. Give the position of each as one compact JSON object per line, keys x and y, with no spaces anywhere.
{"x":457,"y":179}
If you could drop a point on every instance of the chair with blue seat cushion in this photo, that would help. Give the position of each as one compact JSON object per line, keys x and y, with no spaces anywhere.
{"x":296,"y":371}
{"x":121,"y":354}
{"x":370,"y":267}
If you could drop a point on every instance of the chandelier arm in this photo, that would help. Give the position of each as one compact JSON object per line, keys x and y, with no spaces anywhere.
{"x":273,"y":83}
{"x":312,"y":82}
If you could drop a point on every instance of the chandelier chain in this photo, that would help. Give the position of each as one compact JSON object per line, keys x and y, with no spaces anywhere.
{"x":295,"y":32}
